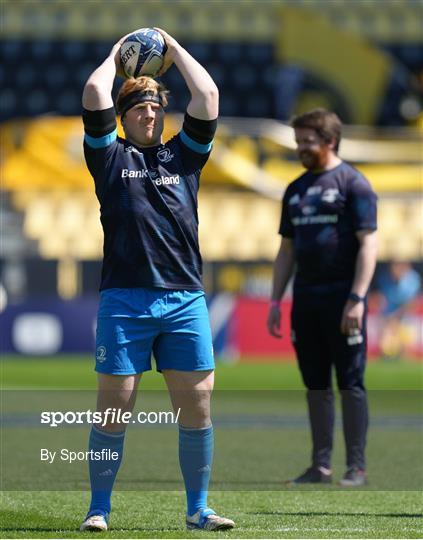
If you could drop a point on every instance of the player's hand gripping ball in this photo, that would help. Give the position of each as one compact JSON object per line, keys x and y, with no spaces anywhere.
{"x":142,"y":53}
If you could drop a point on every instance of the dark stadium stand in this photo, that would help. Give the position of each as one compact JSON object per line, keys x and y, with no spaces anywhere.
{"x":49,"y":48}
{"x":35,"y":89}
{"x":51,"y":76}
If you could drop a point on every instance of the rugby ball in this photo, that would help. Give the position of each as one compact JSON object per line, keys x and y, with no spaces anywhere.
{"x":142,"y":53}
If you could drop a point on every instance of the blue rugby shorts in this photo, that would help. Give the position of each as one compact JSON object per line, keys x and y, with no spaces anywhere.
{"x":133,"y":324}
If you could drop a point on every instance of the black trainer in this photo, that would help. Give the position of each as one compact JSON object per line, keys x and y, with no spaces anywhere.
{"x":313,"y":475}
{"x":354,"y":477}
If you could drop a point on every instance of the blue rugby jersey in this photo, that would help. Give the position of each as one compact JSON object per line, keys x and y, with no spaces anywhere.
{"x":148,"y":206}
{"x":322,"y":212}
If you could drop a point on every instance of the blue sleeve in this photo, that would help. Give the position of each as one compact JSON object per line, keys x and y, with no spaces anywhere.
{"x":100,"y":134}
{"x":100,"y":127}
{"x":99,"y":141}
{"x":195,"y":142}
{"x":199,"y":148}
{"x":198,"y":134}
{"x":193,"y":155}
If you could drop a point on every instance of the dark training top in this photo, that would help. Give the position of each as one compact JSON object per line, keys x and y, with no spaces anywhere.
{"x":148,"y":203}
{"x":322,"y":212}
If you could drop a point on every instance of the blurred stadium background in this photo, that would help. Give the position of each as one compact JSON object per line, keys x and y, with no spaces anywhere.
{"x":272,"y":59}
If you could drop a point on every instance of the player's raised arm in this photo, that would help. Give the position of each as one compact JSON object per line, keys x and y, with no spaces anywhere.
{"x":97,"y":94}
{"x":204,"y":103}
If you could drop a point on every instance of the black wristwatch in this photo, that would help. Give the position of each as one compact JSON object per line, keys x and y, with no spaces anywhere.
{"x":355,"y":297}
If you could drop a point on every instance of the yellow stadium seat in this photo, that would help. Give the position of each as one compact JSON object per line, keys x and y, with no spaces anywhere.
{"x":54,"y":246}
{"x":400,"y":228}
{"x":405,"y":248}
{"x":213,"y":246}
{"x":267,"y":246}
{"x":242,"y":246}
{"x":390,"y":218}
{"x":87,"y":247}
{"x":70,"y":218}
{"x":265,"y":214}
{"x":39,"y":217}
{"x":414,"y":215}
{"x":229,"y":216}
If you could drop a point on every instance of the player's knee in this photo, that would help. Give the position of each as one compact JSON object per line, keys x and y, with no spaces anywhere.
{"x":195,"y":417}
{"x":114,"y":410}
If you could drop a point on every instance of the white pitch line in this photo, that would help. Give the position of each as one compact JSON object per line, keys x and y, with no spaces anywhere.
{"x":323,"y":529}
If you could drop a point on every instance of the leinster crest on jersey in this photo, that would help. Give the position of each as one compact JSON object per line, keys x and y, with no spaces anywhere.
{"x":164,"y":155}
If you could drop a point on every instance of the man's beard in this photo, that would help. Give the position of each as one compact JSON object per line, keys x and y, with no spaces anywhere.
{"x":310,"y":161}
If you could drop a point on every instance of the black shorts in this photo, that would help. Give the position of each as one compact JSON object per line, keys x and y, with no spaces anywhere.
{"x":319,"y":343}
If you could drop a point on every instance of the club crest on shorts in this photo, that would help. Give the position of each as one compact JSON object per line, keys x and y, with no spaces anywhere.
{"x":100,"y":354}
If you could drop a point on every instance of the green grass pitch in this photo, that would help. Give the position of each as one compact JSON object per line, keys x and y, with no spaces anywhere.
{"x":261,"y":439}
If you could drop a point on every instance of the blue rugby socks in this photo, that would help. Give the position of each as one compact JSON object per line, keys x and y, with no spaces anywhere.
{"x":195,"y":458}
{"x":103,"y":471}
